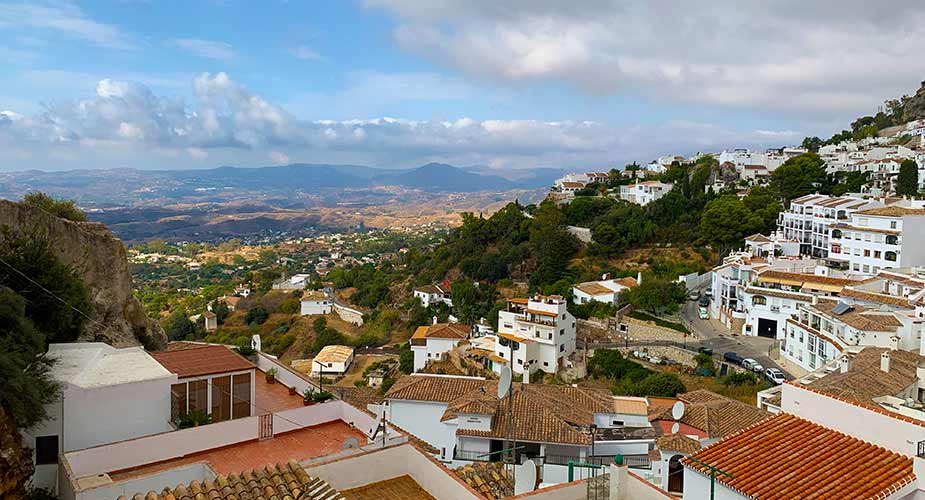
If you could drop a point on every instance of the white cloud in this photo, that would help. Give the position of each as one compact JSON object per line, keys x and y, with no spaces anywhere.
{"x":225,"y":119}
{"x":279,"y":158}
{"x":209,"y":49}
{"x":808,"y":57}
{"x":62,"y":17}
{"x":305,"y":53}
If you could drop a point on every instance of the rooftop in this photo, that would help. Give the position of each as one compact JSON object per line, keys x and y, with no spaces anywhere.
{"x":399,"y":488}
{"x":860,"y":317}
{"x":786,"y":457}
{"x":864,"y":379}
{"x":334,"y":354}
{"x":594,"y":288}
{"x":893,"y":211}
{"x":715,"y":415}
{"x":284,"y":481}
{"x":205,"y":360}
{"x":300,"y":445}
{"x":95,"y":364}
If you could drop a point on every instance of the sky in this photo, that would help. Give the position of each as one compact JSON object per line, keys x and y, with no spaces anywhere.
{"x":399,"y":83}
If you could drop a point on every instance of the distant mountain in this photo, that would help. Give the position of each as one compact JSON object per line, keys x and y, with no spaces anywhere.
{"x":443,"y":177}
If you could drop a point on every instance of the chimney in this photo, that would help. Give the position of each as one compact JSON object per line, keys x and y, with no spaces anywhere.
{"x":639,"y":278}
{"x":894,"y":343}
{"x":435,"y":320}
{"x":526,"y":378}
{"x":844,"y":363}
{"x":885,"y":362}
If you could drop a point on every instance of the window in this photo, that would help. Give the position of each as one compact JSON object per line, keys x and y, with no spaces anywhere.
{"x":199,"y":395}
{"x":876,"y":254}
{"x":177,"y":401}
{"x":330,"y":365}
{"x":562,"y":348}
{"x":890,"y":256}
{"x":892,"y":224}
{"x":866,"y":253}
{"x":221,"y":398}
{"x":545,"y":363}
{"x":241,"y":387}
{"x":46,"y":450}
{"x":562,"y":331}
{"x":759,"y":300}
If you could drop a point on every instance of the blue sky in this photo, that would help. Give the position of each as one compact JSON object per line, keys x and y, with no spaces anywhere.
{"x":397,"y":83}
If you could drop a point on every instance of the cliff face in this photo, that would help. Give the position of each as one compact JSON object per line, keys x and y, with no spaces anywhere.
{"x":100,"y":259}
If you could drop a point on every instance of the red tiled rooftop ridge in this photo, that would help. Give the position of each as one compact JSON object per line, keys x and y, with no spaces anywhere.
{"x":199,"y":361}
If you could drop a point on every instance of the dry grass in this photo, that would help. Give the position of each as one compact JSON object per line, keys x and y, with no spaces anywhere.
{"x":360,"y":363}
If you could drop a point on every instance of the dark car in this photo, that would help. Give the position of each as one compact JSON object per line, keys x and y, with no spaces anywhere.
{"x":733,"y":358}
{"x":705,"y":350}
{"x":704,"y":301}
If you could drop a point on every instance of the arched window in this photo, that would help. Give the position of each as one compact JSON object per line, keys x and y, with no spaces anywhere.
{"x":892,"y":239}
{"x":836,"y":233}
{"x":759,"y":300}
{"x":890,"y":256}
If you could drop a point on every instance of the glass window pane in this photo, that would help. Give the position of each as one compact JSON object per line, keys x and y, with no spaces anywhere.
{"x":199,"y":395}
{"x":242,"y":396}
{"x":177,"y":401}
{"x":221,"y":398}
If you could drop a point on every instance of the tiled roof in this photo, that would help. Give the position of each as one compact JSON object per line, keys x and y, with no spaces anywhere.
{"x":630,"y":406}
{"x":715,"y":415}
{"x":206,"y":360}
{"x":804,"y":277}
{"x":594,"y":288}
{"x":677,"y":443}
{"x":861,"y":317}
{"x":760,"y":238}
{"x":786,"y":457}
{"x":491,"y":479}
{"x":628,"y":282}
{"x":432,"y":388}
{"x":770,"y":292}
{"x":864,"y":379}
{"x":879,"y":298}
{"x":279,"y":482}
{"x":334,"y":354}
{"x":892,"y":211}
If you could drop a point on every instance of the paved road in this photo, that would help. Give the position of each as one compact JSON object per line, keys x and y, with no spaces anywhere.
{"x":714,"y":334}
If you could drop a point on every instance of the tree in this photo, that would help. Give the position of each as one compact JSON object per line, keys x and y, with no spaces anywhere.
{"x":665,"y":385}
{"x":551,"y":244}
{"x":655,"y":295}
{"x":57,"y":300}
{"x":907,"y":183}
{"x":801,"y":175}
{"x":609,"y":363}
{"x":64,"y":209}
{"x":221,"y":311}
{"x":812,"y":144}
{"x":726,"y":221}
{"x":256,"y":315}
{"x":179,"y":326}
{"x":406,"y":359}
{"x":27,"y":386}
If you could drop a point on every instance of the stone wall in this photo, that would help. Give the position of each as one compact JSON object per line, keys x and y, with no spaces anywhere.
{"x":644,"y":330}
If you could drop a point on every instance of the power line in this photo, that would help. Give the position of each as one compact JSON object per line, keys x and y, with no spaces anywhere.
{"x":49,"y":292}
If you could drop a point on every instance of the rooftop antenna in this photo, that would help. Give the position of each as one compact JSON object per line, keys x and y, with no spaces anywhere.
{"x":381,"y":427}
{"x":526,"y":481}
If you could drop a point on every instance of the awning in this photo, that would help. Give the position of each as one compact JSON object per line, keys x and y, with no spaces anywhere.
{"x":823,"y":287}
{"x":780,"y":281}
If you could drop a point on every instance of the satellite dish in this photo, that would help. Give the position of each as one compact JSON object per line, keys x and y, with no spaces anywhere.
{"x":504,"y":385}
{"x":350,"y":443}
{"x":675,"y":428}
{"x":525,"y":479}
{"x":677,"y":410}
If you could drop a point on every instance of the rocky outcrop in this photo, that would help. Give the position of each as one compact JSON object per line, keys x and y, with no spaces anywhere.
{"x":118,"y":318}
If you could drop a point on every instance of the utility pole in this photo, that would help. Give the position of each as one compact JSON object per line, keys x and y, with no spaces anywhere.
{"x":713,"y":471}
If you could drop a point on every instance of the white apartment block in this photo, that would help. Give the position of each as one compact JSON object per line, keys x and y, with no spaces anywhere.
{"x":809,"y":219}
{"x":879,"y":238}
{"x":534,"y":334}
{"x":645,"y":192}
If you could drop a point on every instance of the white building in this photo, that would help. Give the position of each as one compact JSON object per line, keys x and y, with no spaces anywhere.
{"x":432,"y":342}
{"x":463,"y":419}
{"x":434,"y":294}
{"x":315,"y":302}
{"x":295,"y":282}
{"x":606,"y":290}
{"x":107,"y":395}
{"x":644,"y":192}
{"x":333,"y":360}
{"x":810,"y":218}
{"x":536,"y":333}
{"x":879,"y":238}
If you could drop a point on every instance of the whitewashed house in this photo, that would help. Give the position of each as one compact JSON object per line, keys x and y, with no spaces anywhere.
{"x":879,"y":238}
{"x":434,"y":294}
{"x":315,"y":302}
{"x":332,"y":360}
{"x":295,"y":282}
{"x":536,"y":333}
{"x":606,"y":290}
{"x":107,"y":395}
{"x":644,"y":192}
{"x":432,"y":342}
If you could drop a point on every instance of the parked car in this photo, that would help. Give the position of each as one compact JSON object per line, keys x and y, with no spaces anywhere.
{"x":702,"y":313}
{"x":694,"y":296}
{"x":774,"y":375}
{"x":752,"y":365}
{"x":733,"y":358}
{"x":705,"y":350}
{"x":704,"y":301}
{"x":709,"y":292}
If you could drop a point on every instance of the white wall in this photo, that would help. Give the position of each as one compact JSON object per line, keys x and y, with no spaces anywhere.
{"x":697,"y":487}
{"x":284,"y":374}
{"x":315,"y":307}
{"x":153,"y":482}
{"x":424,"y":418}
{"x":390,"y":463}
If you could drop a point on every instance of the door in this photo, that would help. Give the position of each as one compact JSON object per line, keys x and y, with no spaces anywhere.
{"x":675,"y":475}
{"x":767,"y":328}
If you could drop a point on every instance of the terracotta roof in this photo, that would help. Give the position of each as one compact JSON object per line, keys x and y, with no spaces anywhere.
{"x":334,"y":354}
{"x":892,"y":211}
{"x":760,"y":238}
{"x":432,"y":388}
{"x":864,"y":379}
{"x":542,"y":313}
{"x":879,"y":298}
{"x":208,"y":314}
{"x":805,"y":277}
{"x":770,"y":292}
{"x":715,"y":415}
{"x":677,"y":443}
{"x":630,"y":406}
{"x":491,"y":479}
{"x":518,"y":300}
{"x":861,"y":317}
{"x":866,"y":229}
{"x":786,"y":457}
{"x":231,"y":301}
{"x":628,"y":282}
{"x":279,"y":482}
{"x":594,"y":288}
{"x":205,"y":360}
{"x":314,"y":295}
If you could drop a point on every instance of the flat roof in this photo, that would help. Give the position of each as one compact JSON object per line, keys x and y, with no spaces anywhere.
{"x":205,"y":360}
{"x":95,"y":364}
{"x":398,"y":488}
{"x":300,"y":445}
